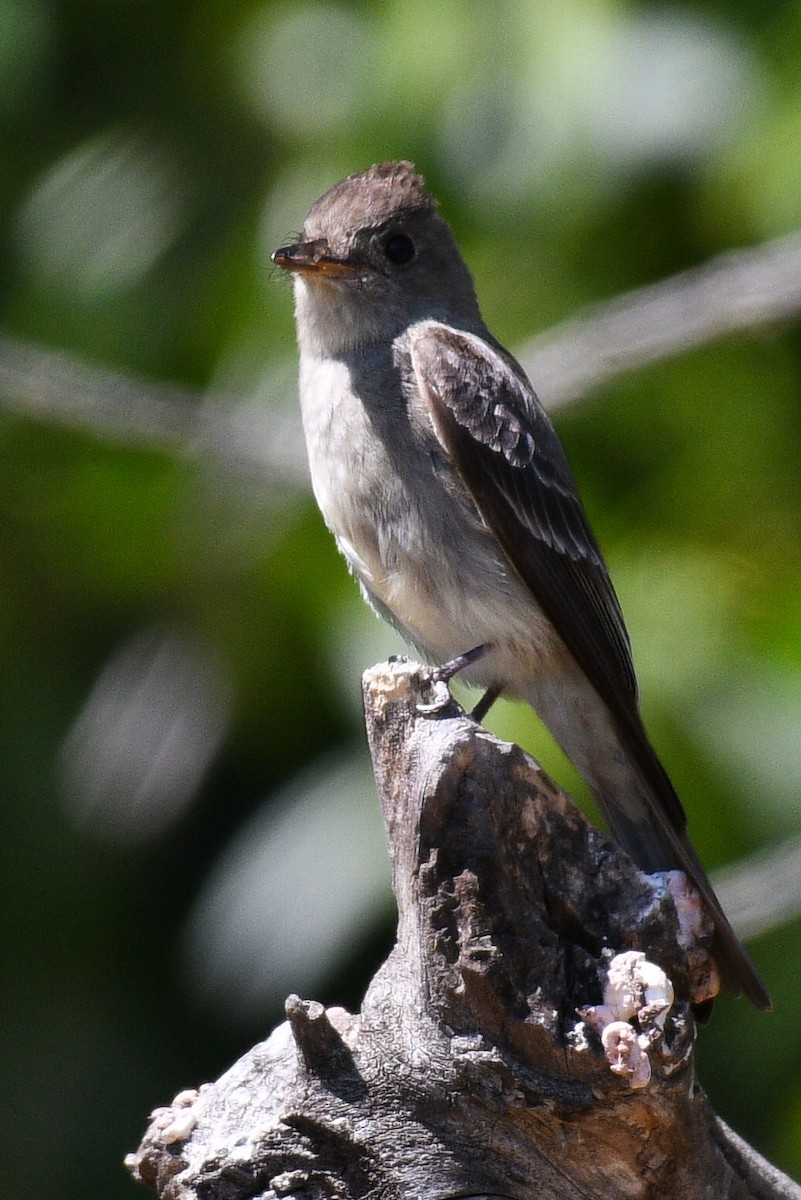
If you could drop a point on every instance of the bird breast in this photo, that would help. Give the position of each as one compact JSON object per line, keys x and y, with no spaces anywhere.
{"x":406,"y":524}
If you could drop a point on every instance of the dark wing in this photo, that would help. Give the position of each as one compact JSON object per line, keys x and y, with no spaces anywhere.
{"x":506,"y":451}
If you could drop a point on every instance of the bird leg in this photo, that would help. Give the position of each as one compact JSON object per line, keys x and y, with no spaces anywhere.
{"x":446,"y":672}
{"x":486,"y":702}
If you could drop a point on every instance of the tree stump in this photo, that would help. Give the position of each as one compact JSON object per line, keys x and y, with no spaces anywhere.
{"x":522,"y":1039}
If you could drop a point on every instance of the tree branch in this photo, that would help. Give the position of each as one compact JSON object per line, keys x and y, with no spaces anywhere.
{"x":734,"y":293}
{"x":521,"y":1039}
{"x":216,"y":430}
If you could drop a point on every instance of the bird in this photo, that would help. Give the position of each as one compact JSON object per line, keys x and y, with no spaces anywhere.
{"x":448,"y":492}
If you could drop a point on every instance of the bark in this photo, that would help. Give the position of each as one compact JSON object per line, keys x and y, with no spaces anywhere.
{"x":520,"y":1041}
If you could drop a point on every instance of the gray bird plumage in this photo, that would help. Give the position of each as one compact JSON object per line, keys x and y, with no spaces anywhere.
{"x":449,"y":493}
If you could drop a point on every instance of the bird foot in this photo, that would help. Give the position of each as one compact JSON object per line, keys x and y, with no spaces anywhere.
{"x":442,"y":675}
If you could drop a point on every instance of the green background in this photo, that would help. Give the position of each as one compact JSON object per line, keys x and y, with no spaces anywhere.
{"x":189,"y":831}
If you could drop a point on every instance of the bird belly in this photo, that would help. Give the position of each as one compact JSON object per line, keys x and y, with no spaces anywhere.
{"x":413,"y":539}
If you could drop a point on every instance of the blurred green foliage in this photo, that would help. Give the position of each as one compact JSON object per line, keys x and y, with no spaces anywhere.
{"x":179,"y":642}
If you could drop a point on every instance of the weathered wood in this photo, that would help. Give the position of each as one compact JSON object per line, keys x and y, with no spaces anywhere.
{"x":492,"y":1054}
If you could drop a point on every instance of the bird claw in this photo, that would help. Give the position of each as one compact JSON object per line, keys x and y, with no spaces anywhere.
{"x":441,"y":698}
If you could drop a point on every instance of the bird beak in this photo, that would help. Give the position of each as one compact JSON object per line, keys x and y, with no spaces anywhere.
{"x":315,"y":258}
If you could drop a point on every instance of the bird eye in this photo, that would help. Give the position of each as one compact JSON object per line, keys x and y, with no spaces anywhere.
{"x":399,"y":249}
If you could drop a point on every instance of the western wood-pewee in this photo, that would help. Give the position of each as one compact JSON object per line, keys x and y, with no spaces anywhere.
{"x":449,"y":494}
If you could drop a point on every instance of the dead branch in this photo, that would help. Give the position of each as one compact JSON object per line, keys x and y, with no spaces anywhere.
{"x":522,"y":1038}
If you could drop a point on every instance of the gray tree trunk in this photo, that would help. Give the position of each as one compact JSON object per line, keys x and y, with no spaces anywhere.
{"x":492,"y":1055}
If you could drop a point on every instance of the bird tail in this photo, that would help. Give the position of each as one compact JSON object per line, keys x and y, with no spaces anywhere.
{"x":613,"y":753}
{"x":660,"y":843}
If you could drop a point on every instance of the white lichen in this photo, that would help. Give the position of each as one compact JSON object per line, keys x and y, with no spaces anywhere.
{"x":637,"y":998}
{"x":175,"y":1124}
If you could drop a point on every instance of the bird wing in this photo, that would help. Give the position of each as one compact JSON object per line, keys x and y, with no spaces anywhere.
{"x":508,"y":455}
